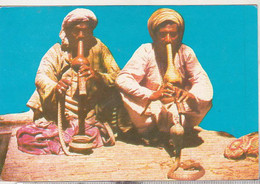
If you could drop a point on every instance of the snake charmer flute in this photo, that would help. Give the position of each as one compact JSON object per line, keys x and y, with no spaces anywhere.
{"x":172,"y":76}
{"x":79,"y":142}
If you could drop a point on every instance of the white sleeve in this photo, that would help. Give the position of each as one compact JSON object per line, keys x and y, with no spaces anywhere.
{"x":132,"y":74}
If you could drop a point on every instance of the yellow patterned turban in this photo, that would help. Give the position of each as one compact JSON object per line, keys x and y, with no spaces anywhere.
{"x":165,"y":14}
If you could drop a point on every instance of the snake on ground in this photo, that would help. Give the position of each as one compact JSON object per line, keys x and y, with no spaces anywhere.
{"x":177,"y":133}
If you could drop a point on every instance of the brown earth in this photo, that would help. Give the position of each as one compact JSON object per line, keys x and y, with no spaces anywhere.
{"x":126,"y":161}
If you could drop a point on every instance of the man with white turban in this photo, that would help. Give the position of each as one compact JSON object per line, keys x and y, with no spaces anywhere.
{"x":56,"y":76}
{"x":141,"y":80}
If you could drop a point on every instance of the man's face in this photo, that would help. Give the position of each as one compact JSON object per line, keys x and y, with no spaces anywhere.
{"x":79,"y":30}
{"x":168,"y":33}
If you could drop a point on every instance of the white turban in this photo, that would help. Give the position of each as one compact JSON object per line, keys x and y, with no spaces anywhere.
{"x":162,"y":15}
{"x":78,"y":14}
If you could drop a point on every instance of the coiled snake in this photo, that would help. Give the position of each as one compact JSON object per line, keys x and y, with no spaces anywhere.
{"x":177,"y":132}
{"x":61,"y":136}
{"x":187,"y":165}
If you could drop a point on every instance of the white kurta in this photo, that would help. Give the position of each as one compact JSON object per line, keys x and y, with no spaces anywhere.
{"x":143,"y":75}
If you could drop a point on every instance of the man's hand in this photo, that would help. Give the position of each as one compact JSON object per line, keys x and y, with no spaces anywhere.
{"x":169,"y":91}
{"x":63,"y":86}
{"x":165,"y":91}
{"x":184,"y":96}
{"x":88,"y":72}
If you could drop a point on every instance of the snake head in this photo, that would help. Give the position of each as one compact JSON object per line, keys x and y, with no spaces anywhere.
{"x":176,"y":135}
{"x":177,"y":130}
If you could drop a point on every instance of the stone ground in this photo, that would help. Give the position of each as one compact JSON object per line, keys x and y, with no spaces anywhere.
{"x":129,"y":162}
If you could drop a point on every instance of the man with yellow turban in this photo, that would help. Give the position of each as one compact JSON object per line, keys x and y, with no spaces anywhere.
{"x":141,"y":81}
{"x":57,"y":77}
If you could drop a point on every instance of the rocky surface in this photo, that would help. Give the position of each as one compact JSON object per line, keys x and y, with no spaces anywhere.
{"x":10,"y":121}
{"x":126,"y":161}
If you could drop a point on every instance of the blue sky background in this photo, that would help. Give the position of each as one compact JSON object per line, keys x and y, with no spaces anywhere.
{"x":224,"y":39}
